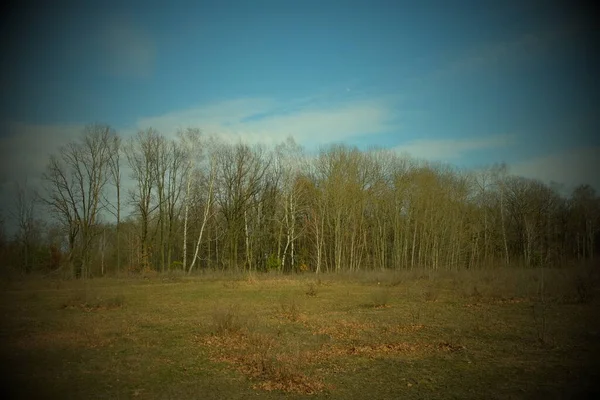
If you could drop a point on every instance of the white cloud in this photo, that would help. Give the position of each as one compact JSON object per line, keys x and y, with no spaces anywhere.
{"x":129,"y":50}
{"x":211,"y":117}
{"x":452,"y":149}
{"x":309,"y":124}
{"x":25,"y":148}
{"x":570,"y":167}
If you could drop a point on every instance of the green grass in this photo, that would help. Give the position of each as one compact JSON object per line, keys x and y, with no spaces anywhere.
{"x":412,"y":335}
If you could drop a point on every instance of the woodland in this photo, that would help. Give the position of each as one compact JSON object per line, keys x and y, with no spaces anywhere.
{"x":152,"y":203}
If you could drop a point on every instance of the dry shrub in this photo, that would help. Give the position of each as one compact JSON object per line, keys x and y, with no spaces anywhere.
{"x":260,"y":356}
{"x":584,"y":289}
{"x":415,"y":314}
{"x":312,"y":290}
{"x":228,"y":320}
{"x":540,"y":319}
{"x":473,"y":292}
{"x":92,"y":302}
{"x":380,"y":298}
{"x":397,"y":280}
{"x":277,"y":369}
{"x":148,"y":273}
{"x":290,"y":310}
{"x":174,"y":275}
{"x":430,"y":293}
{"x":251,"y":278}
{"x":231,"y":284}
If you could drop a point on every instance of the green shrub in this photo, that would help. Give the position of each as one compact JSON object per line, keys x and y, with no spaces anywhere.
{"x":176,"y":266}
{"x":273,"y":263}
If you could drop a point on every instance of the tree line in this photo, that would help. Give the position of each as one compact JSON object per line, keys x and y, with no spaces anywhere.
{"x":191,"y":201}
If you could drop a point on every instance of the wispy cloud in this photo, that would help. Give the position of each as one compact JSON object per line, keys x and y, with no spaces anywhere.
{"x":129,"y":50}
{"x":210,"y":116}
{"x":269,"y":121}
{"x":570,"y":167}
{"x":453,"y":149}
{"x":25,"y":148}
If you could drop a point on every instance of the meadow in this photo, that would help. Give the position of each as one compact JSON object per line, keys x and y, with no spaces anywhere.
{"x":503,"y":333}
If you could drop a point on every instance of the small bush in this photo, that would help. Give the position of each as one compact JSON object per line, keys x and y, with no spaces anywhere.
{"x":396,"y":280}
{"x":273,"y":263}
{"x":176,"y":266}
{"x":290,"y":310}
{"x":380,"y":298}
{"x":251,"y":278}
{"x":415,"y":314}
{"x":173,"y":275}
{"x":303,"y":268}
{"x":227,"y":320}
{"x":430,"y":294}
{"x":231,"y":284}
{"x":312,"y":290}
{"x":540,"y":321}
{"x":584,"y":289}
{"x":471,"y":292}
{"x":278,"y":369}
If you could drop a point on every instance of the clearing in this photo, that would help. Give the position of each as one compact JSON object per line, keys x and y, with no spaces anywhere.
{"x":493,"y":334}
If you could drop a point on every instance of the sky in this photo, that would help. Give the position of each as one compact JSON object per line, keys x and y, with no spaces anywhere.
{"x":471,"y":83}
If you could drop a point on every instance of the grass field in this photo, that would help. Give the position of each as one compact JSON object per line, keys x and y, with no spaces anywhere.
{"x":482,"y":335}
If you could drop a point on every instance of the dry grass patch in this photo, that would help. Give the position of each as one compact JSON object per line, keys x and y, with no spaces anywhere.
{"x":380,"y":298}
{"x":392,"y":349}
{"x":231,"y":284}
{"x":228,"y":319}
{"x":311,"y":289}
{"x":402,"y":329}
{"x":342,"y":329}
{"x":291,"y":311}
{"x":176,"y":341}
{"x":88,"y":302}
{"x":261,"y":357}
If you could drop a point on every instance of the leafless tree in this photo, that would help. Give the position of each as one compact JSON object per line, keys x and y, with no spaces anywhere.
{"x":141,"y":152}
{"x":116,"y":178}
{"x":240,"y":177}
{"x":74,"y":182}
{"x":23,"y":215}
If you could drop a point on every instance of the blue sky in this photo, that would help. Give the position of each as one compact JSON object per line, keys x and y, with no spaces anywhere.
{"x":467,"y":82}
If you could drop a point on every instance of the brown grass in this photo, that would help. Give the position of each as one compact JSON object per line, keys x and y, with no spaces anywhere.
{"x":485,"y":334}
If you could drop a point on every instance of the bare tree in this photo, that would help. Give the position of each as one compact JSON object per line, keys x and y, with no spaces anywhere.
{"x":241,"y":172}
{"x":115,"y":174}
{"x":141,"y":152}
{"x":74,"y":183}
{"x":207,"y":208}
{"x":175,"y":184}
{"x":191,"y":143}
{"x":586,"y":220}
{"x":289,"y":159}
{"x":169,"y":174}
{"x":23,"y":214}
{"x":242,"y":206}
